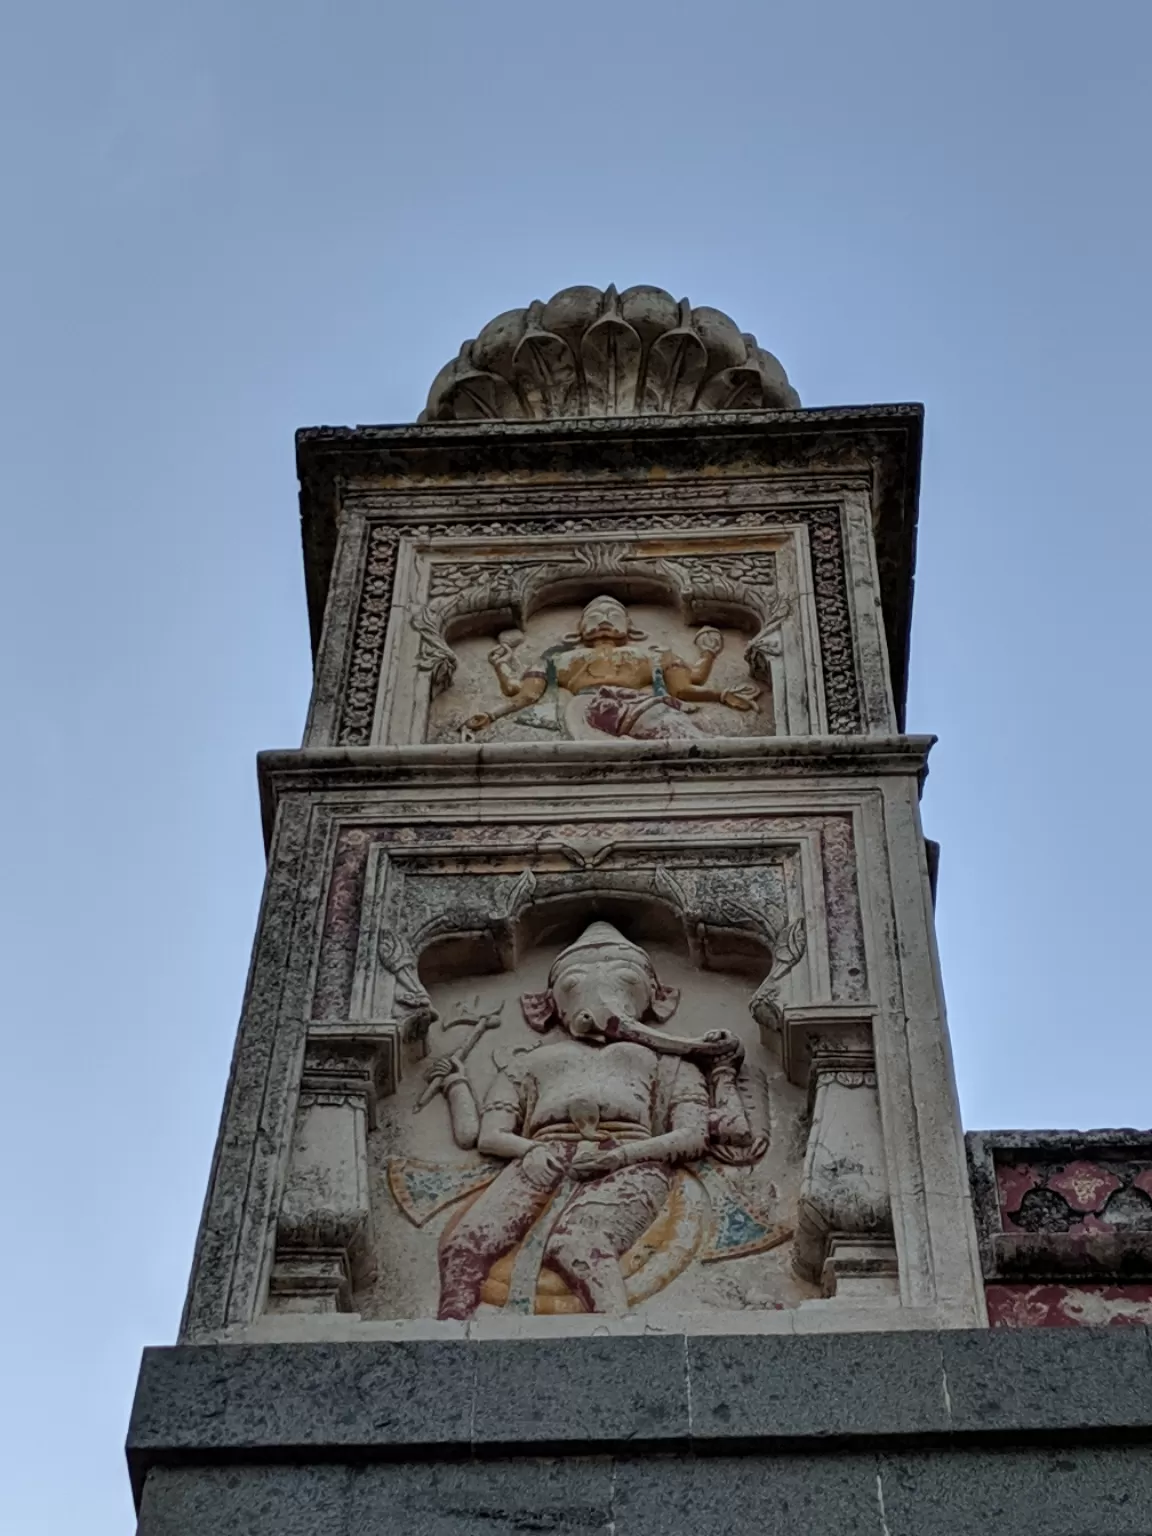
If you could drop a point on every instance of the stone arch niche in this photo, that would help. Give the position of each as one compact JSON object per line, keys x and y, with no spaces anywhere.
{"x":710,"y":1229}
{"x":718,"y":625}
{"x":749,"y":1044}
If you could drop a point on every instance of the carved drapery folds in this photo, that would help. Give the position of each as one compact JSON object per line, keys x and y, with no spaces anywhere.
{"x":588,"y":352}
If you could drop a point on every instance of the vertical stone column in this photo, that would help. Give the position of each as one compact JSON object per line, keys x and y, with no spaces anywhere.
{"x":844,"y":1222}
{"x":324,"y":1248}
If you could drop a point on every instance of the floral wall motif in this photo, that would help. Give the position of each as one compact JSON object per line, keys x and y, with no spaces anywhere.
{"x":1065,"y":1225}
{"x":1069,"y":1306}
{"x":1105,"y":1194}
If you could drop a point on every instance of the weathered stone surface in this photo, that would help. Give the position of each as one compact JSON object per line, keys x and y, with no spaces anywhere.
{"x":206,"y":1402}
{"x":1070,"y":1490}
{"x":294,"y":1500}
{"x":608,"y":1391}
{"x":1048,"y":1378}
{"x":1076,"y":1490}
{"x":746,"y":1496}
{"x":588,"y":352}
{"x":1064,"y":1220}
{"x":968,"y":1434}
{"x":571,"y":1497}
{"x":888,"y":1384}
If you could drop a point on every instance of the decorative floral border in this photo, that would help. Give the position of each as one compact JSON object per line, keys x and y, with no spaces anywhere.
{"x":841,"y":686}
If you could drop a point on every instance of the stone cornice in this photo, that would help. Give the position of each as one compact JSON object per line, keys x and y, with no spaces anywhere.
{"x":487,"y":767}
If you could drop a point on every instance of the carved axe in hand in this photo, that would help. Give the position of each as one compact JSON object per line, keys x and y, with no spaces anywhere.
{"x":480,"y":1027}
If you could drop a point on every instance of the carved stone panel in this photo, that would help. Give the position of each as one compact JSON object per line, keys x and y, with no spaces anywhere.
{"x":439,"y":597}
{"x":578,"y":1160}
{"x":547,"y":638}
{"x":599,"y":1104}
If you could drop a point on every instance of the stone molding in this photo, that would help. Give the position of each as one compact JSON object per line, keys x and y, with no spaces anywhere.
{"x":502,"y":765}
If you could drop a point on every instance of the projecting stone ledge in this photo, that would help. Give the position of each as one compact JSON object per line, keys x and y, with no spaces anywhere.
{"x":911,"y":1434}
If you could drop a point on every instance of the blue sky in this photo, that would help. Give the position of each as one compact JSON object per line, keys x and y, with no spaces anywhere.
{"x":227,"y":221}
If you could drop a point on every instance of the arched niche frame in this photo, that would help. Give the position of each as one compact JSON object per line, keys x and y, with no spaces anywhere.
{"x":423,"y":928}
{"x":723,"y":582}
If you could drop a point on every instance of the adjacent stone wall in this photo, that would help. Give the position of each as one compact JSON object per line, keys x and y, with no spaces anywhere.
{"x":1065,"y":1226}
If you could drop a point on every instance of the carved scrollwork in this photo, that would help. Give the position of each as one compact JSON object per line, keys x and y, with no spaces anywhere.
{"x":520,"y":896}
{"x":588,"y":352}
{"x":410,"y":1002}
{"x":435,"y":654}
{"x":768,"y":642}
{"x":785,"y":941}
{"x":604,"y":557}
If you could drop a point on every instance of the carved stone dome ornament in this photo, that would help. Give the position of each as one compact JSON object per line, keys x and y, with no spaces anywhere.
{"x":592,"y":353}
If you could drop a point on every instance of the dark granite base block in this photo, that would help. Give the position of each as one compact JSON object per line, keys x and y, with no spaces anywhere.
{"x":957,"y":1434}
{"x":1075,"y":1491}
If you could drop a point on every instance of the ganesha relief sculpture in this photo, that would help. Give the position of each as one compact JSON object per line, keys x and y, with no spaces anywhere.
{"x":600,"y":682}
{"x":602,"y":1145}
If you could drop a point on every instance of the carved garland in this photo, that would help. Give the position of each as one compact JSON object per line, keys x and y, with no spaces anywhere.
{"x":838,"y":662}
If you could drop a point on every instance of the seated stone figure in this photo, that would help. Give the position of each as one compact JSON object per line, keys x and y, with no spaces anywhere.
{"x":592,"y":1125}
{"x":615,"y":687}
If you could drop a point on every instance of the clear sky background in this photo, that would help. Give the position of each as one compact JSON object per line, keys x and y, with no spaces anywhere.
{"x":224,"y":221}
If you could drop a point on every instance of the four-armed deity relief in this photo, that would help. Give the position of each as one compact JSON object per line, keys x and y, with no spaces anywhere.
{"x":601,"y":680}
{"x":606,"y":1147}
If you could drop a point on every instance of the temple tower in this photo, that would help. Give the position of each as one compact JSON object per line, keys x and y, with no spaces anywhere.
{"x":594,"y":1044}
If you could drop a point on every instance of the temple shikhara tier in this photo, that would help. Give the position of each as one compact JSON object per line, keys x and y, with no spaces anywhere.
{"x":592,"y":1106}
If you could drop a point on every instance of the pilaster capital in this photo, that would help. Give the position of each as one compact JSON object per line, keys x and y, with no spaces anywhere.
{"x":349,"y":1063}
{"x":825,"y":1039}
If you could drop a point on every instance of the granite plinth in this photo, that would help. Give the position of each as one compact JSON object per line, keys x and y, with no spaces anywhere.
{"x":904,"y":1434}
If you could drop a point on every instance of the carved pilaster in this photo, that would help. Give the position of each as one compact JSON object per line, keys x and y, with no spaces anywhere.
{"x":844,"y":1225}
{"x":324,"y":1248}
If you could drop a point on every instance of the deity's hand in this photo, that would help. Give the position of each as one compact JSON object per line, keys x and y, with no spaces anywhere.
{"x":594,"y":1162}
{"x":544,"y":1166}
{"x":478,"y":722}
{"x":447,"y":1071}
{"x":735,"y":1046}
{"x":710,"y":640}
{"x":499,"y":654}
{"x":743,"y":696}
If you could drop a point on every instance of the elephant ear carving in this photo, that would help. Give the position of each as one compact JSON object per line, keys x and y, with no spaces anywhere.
{"x":539,"y":1010}
{"x":665,"y":1001}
